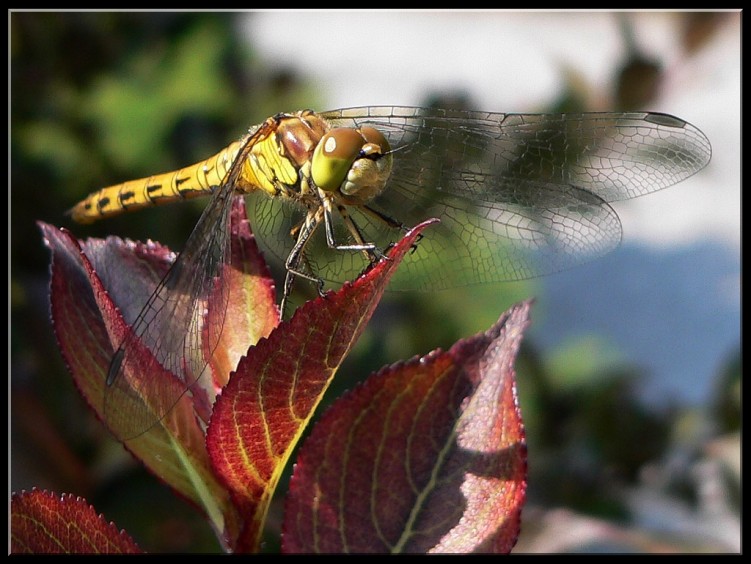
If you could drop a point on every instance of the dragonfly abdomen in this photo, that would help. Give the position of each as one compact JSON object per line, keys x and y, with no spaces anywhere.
{"x":189,"y":182}
{"x":272,"y":156}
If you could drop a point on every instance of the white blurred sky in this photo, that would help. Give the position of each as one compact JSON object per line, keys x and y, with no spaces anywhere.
{"x":515,"y":61}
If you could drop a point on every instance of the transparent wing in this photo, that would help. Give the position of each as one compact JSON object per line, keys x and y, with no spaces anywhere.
{"x":172,"y":323}
{"x":518,"y":195}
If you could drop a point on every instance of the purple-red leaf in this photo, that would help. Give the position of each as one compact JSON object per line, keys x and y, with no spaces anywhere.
{"x":426,"y":456}
{"x":86,"y":321}
{"x":93,"y":286}
{"x":46,"y":523}
{"x":97,"y":288}
{"x":270,"y":399}
{"x":251,"y":312}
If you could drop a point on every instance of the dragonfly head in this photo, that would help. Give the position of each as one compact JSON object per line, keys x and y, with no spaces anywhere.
{"x":355,"y":162}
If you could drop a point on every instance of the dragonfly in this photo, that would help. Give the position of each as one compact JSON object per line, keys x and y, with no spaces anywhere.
{"x":518,"y":196}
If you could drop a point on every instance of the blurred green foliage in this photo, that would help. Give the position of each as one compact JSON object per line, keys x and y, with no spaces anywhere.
{"x":98,"y":98}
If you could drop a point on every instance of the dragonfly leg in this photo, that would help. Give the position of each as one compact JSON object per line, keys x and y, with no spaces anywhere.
{"x":370,"y":250}
{"x":391,"y":222}
{"x":296,"y":257}
{"x":289,"y":282}
{"x":387,"y":219}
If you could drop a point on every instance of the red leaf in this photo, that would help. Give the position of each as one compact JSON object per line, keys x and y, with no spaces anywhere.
{"x":45,"y":523}
{"x":426,"y":456}
{"x":86,"y":320}
{"x":251,"y":312}
{"x":269,"y":400}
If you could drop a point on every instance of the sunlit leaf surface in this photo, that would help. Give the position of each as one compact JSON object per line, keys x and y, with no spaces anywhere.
{"x":428,"y":455}
{"x":47,"y":523}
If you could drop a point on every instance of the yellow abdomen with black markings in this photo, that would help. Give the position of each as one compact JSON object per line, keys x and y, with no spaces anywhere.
{"x":272,"y":156}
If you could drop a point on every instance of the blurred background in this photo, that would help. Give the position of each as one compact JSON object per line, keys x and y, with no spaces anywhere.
{"x":629,"y":378}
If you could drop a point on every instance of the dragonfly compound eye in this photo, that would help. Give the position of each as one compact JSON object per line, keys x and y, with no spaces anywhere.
{"x":369,"y":173}
{"x":333,"y":157}
{"x":355,"y":162}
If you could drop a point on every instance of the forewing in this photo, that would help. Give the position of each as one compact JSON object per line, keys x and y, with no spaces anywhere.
{"x":170,"y":325}
{"x":518,"y":195}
